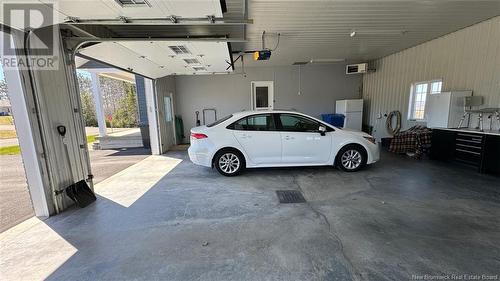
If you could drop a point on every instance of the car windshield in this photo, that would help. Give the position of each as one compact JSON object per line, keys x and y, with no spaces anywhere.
{"x":219,"y":121}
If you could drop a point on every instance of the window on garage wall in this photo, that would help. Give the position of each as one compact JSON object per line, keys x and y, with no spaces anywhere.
{"x":419,"y":92}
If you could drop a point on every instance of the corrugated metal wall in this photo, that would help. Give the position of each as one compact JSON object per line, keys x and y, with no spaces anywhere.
{"x":468,"y":59}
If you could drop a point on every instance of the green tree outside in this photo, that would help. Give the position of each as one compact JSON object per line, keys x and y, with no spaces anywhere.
{"x":119,"y":101}
{"x":126,"y":113}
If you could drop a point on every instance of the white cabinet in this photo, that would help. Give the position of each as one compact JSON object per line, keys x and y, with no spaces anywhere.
{"x":444,"y":110}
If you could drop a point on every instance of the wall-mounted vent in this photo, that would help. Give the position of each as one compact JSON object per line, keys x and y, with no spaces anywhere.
{"x":133,"y":3}
{"x":191,"y":61}
{"x":356,"y":68}
{"x":199,"y":68}
{"x":179,"y":50}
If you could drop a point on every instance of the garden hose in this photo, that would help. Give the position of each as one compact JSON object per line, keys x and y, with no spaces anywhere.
{"x":388,"y":122}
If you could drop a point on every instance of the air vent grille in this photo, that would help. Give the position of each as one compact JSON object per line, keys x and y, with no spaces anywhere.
{"x":133,"y":3}
{"x":199,"y":68}
{"x":179,"y":50}
{"x":191,"y":61}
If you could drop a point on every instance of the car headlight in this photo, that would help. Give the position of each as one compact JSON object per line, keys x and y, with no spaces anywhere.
{"x":371,"y":139}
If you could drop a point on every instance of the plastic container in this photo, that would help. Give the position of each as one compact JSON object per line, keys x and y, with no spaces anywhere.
{"x":336,"y":120}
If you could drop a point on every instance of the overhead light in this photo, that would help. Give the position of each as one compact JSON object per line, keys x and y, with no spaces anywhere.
{"x":371,"y":32}
{"x":326,"y":60}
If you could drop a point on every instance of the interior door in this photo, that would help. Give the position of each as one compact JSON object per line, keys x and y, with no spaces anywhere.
{"x":262,"y":95}
{"x":301,"y":141}
{"x":259,"y":138}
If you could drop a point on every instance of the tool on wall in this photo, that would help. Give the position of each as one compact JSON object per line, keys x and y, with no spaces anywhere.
{"x":79,"y":192}
{"x":208,"y":110}
{"x":197,"y":113}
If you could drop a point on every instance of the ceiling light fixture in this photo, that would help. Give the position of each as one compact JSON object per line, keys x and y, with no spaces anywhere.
{"x":326,"y":60}
{"x":374,"y":32}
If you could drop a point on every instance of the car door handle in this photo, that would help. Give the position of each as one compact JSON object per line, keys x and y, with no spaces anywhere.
{"x":289,"y":138}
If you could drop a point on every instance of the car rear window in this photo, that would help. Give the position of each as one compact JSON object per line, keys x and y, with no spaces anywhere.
{"x":219,"y":121}
{"x":260,"y":122}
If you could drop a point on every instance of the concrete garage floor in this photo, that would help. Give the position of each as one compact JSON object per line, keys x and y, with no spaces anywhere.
{"x":166,"y":219}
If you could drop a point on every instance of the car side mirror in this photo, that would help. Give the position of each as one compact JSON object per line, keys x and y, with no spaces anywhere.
{"x":322,"y":130}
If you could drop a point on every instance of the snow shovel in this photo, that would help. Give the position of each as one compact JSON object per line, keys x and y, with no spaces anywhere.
{"x":79,"y":192}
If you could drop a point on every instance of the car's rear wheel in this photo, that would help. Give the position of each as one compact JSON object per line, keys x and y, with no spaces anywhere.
{"x":229,"y":162}
{"x":351,"y":158}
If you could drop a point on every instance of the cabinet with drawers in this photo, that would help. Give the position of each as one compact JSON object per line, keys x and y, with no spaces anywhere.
{"x":478,"y":150}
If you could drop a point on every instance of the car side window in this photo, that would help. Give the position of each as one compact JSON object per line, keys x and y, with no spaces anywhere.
{"x":296,"y":123}
{"x":261,"y":122}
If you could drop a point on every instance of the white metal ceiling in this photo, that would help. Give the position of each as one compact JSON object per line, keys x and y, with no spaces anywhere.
{"x":321,"y":29}
{"x":310,"y":29}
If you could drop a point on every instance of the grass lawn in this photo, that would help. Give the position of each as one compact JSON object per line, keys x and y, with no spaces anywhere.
{"x":15,"y":149}
{"x":10,"y":150}
{"x":7,"y":134}
{"x":6,"y":120}
{"x":91,"y":138}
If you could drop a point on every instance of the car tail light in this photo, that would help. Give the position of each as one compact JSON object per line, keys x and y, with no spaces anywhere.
{"x":199,"y":136}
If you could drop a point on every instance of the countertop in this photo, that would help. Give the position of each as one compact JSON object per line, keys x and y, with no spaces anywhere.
{"x":470,"y":130}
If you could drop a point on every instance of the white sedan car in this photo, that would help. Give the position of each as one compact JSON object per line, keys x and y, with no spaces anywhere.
{"x":254,"y":139}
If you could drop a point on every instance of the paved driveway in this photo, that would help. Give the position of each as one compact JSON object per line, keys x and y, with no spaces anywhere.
{"x":15,"y":201}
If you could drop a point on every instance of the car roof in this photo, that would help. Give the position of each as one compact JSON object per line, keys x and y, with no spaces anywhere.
{"x":250,"y":112}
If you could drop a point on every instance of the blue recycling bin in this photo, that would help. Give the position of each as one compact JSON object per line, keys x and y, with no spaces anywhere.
{"x":336,"y":120}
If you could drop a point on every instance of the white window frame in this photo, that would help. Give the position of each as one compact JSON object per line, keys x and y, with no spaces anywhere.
{"x":270,"y":86}
{"x":411,"y":104}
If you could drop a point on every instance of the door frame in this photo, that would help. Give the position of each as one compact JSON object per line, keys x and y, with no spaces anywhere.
{"x":270,"y":86}
{"x":165,"y":140}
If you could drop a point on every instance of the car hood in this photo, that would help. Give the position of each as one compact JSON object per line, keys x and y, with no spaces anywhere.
{"x":356,"y":133}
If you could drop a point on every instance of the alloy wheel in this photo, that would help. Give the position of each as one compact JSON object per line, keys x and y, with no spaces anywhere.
{"x":351,"y":159}
{"x":229,"y":163}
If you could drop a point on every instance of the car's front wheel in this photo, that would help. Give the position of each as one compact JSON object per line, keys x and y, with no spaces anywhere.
{"x":351,"y":158}
{"x":229,"y":163}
